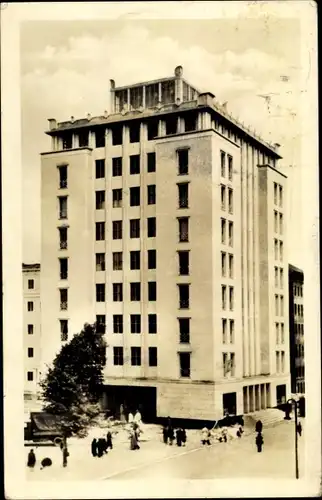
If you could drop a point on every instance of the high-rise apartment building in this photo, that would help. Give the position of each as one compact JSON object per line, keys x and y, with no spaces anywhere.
{"x":296,"y":315}
{"x":164,"y":221}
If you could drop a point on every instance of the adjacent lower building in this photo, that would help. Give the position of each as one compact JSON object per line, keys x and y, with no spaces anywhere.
{"x":296,"y":314}
{"x":164,"y":221}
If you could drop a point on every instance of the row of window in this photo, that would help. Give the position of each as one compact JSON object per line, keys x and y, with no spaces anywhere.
{"x":228,"y":337}
{"x":278,"y":250}
{"x":279,"y":332}
{"x":135,"y":261}
{"x":226,"y":198}
{"x":298,"y":290}
{"x":224,"y":290}
{"x":227,"y":258}
{"x":299,"y":328}
{"x":135,"y":292}
{"x":279,"y":277}
{"x":227,"y":224}
{"x":223,"y":165}
{"x":278,"y":195}
{"x":280,"y":361}
{"x":278,"y":222}
{"x":279,"y":305}
{"x":228,"y":361}
{"x":135,"y":358}
{"x":298,"y":310}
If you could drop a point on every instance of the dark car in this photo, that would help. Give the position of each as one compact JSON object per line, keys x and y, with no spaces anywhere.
{"x":43,"y":427}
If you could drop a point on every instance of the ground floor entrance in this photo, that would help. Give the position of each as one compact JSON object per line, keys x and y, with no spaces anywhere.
{"x":256,"y":397}
{"x":132,"y":398}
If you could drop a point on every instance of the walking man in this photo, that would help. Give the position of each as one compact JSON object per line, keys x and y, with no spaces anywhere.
{"x":259,"y":442}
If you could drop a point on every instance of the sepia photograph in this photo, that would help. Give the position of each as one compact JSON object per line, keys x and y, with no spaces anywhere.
{"x":166,"y":294}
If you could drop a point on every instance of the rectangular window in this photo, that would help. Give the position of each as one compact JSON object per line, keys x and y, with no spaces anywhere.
{"x":281,"y":223}
{"x":152,"y":227}
{"x":100,"y":231}
{"x":134,"y":228}
{"x":183,"y":161}
{"x":152,"y":259}
{"x":282,"y":334}
{"x":62,"y":207}
{"x":230,"y":201}
{"x":117,"y":135}
{"x":282,"y":361}
{"x":275,"y":194}
{"x":223,"y":264}
{"x":275,"y":249}
{"x":278,"y":366}
{"x":100,"y":292}
{"x":135,"y":132}
{"x":277,"y":332}
{"x":152,"y":291}
{"x":117,"y":198}
{"x":223,"y":297}
{"x":225,"y":363}
{"x":100,"y":200}
{"x":231,"y":298}
{"x":184,"y":360}
{"x":117,"y":229}
{"x":183,"y":195}
{"x":223,"y":231}
{"x":30,"y":306}
{"x":118,"y":356}
{"x":135,"y":289}
{"x":153,"y":129}
{"x":231,"y":266}
{"x":63,"y":292}
{"x":117,"y":323}
{"x":30,"y":329}
{"x":63,"y":271}
{"x":134,"y":164}
{"x":135,"y":323}
{"x":153,"y":356}
{"x":276,"y":305}
{"x":100,"y":169}
{"x":231,"y":331}
{"x":67,"y":141}
{"x":275,"y":222}
{"x":184,"y":296}
{"x":230,"y":234}
{"x":30,"y":376}
{"x":281,"y":251}
{"x":83,"y":139}
{"x":63,"y":182}
{"x":281,"y":196}
{"x":276,"y":276}
{"x":151,"y":194}
{"x":63,"y":238}
{"x":184,"y":330}
{"x":224,"y":330}
{"x":152,"y":319}
{"x":100,"y":138}
{"x":223,"y":197}
{"x":230,"y":168}
{"x":136,"y":356}
{"x":30,"y":284}
{"x":117,"y":261}
{"x":63,"y":330}
{"x":101,"y":323}
{"x":171,"y":124}
{"x":117,"y":166}
{"x":135,"y":196}
{"x":183,"y":229}
{"x":151,"y":162}
{"x":30,"y":352}
{"x":135,"y":257}
{"x":281,"y":305}
{"x":223,"y":164}
{"x":183,"y":263}
{"x":117,"y":292}
{"x":232,"y":364}
{"x":281,"y":278}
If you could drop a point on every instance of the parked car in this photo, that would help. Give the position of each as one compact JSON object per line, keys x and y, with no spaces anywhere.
{"x":43,"y":427}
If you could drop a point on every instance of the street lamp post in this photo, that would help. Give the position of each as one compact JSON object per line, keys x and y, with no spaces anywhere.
{"x":293,"y":402}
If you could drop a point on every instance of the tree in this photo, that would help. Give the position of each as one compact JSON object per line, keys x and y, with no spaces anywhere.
{"x":74,"y":382}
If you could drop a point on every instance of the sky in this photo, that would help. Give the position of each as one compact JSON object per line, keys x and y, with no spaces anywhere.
{"x":252,"y":64}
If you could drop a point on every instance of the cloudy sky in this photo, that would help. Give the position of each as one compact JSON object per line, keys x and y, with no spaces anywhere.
{"x":253,"y":64}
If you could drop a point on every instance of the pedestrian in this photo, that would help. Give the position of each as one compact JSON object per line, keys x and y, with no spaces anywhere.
{"x":170,"y":434}
{"x":183,"y":437}
{"x":65,"y":456}
{"x":178,"y":437}
{"x":238,"y":433}
{"x":224,"y":433}
{"x":205,"y":436}
{"x":46,"y":462}
{"x":122,"y":413}
{"x":94,"y":447}
{"x":241,"y":430}
{"x":165,"y":434}
{"x":259,"y":426}
{"x":100,"y":447}
{"x":109,"y":443}
{"x":138,"y":418}
{"x":259,"y":442}
{"x":134,"y":445}
{"x":299,"y":429}
{"x":130,"y":418}
{"x":31,"y":462}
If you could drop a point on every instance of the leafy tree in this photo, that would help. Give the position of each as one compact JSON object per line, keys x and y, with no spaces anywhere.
{"x":73,"y":384}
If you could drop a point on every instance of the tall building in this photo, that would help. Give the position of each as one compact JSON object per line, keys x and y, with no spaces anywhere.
{"x":31,"y":331}
{"x":296,"y":315}
{"x":164,"y":221}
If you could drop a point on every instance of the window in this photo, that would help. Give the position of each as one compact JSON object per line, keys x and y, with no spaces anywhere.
{"x":231,"y":331}
{"x":280,"y":196}
{"x":63,"y":263}
{"x":184,"y":360}
{"x":117,"y":166}
{"x":277,"y":332}
{"x":135,"y":132}
{"x":275,"y":222}
{"x":184,"y":296}
{"x":230,"y":201}
{"x":281,"y":251}
{"x":117,"y":135}
{"x":232,"y":364}
{"x":30,"y":329}
{"x":63,"y":183}
{"x":281,"y":223}
{"x":63,"y":330}
{"x":281,"y":278}
{"x":30,"y":306}
{"x":67,"y":141}
{"x":183,"y":161}
{"x":275,"y":249}
{"x":231,"y":265}
{"x":30,"y":352}
{"x":151,"y":194}
{"x":117,"y":292}
{"x":171,"y":125}
{"x":168,"y":92}
{"x":278,"y":365}
{"x":276,"y":305}
{"x":281,"y":305}
{"x":117,"y":323}
{"x":223,"y":231}
{"x":152,"y":291}
{"x":135,"y":323}
{"x":100,"y":231}
{"x":30,"y":284}
{"x":275,"y":193}
{"x":136,"y":97}
{"x":183,"y":263}
{"x":135,"y":228}
{"x":63,"y":293}
{"x":117,"y":198}
{"x":100,"y":169}
{"x":183,"y":194}
{"x":100,"y":200}
{"x":223,"y":197}
{"x":282,"y":334}
{"x":183,"y":229}
{"x":152,"y":320}
{"x":223,"y":164}
{"x":134,"y":164}
{"x":223,"y":297}
{"x":101,"y":323}
{"x":152,"y":259}
{"x":30,"y":376}
{"x":117,"y":261}
{"x":225,"y":363}
{"x":231,"y":298}
{"x":62,"y":207}
{"x":276,"y":276}
{"x":151,"y":162}
{"x":83,"y":139}
{"x":153,"y":356}
{"x":153,"y":129}
{"x":184,"y":330}
{"x":118,"y":356}
{"x":230,"y":168}
{"x":63,"y":238}
{"x":135,"y":289}
{"x":117,"y":229}
{"x":152,"y":227}
{"x":100,"y":138}
{"x":223,"y":263}
{"x":230,"y":234}
{"x":100,"y":292}
{"x":136,"y":356}
{"x":134,"y":196}
{"x":135,"y":259}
